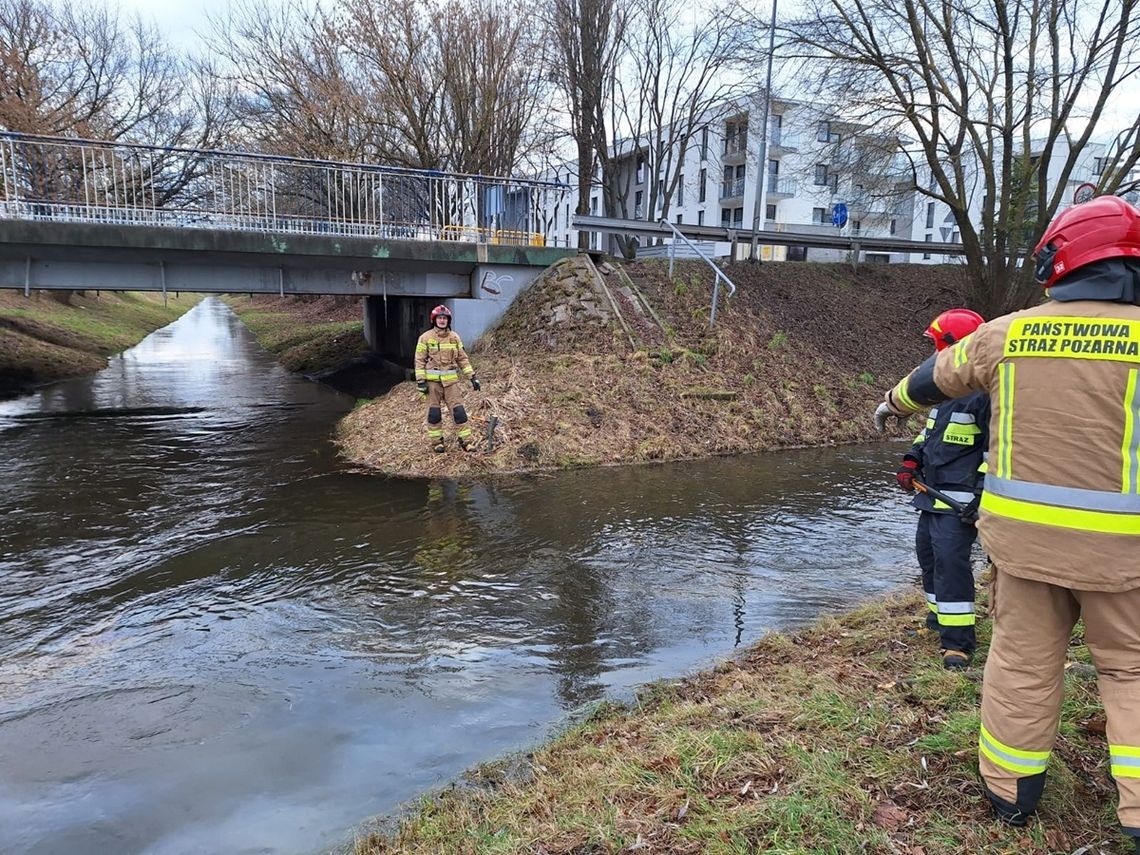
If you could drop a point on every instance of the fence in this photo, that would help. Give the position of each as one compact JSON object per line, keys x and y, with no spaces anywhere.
{"x":88,"y":181}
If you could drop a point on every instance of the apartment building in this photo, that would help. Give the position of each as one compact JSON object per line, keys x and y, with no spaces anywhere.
{"x":814,"y":162}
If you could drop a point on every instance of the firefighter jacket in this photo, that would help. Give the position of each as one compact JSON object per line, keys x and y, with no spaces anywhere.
{"x":440,"y":357}
{"x":950,"y":451}
{"x":1062,"y":487}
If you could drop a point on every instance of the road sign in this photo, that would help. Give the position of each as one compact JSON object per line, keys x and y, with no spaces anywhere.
{"x":1083,"y":193}
{"x":839,"y":215}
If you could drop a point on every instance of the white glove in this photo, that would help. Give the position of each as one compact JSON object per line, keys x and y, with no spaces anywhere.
{"x":883,"y":413}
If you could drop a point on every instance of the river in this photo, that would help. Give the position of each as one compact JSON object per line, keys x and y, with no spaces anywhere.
{"x":214,"y":637}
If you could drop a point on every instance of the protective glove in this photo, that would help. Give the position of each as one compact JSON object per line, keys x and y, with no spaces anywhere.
{"x":421,"y":387}
{"x":906,"y":473}
{"x":883,"y":413}
{"x":475,"y":384}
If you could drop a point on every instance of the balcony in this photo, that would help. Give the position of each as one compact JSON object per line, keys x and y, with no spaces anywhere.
{"x":781,"y":142}
{"x":732,"y":189}
{"x":735,"y":149}
{"x":778,"y":187}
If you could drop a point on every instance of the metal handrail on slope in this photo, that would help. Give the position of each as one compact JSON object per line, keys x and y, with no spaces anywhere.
{"x":719,"y":273}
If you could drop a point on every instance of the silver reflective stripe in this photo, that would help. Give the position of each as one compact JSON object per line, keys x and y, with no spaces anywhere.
{"x":956,"y":608}
{"x":1124,"y":760}
{"x":930,"y":598}
{"x":958,"y":495}
{"x":933,"y":413}
{"x":963,"y":419}
{"x":1031,"y":762}
{"x":1063,"y":497}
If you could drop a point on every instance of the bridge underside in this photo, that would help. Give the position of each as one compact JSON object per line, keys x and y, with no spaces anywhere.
{"x":88,"y":256}
{"x":400,"y":280}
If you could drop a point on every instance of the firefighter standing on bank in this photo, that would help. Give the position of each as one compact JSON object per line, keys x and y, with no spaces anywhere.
{"x":948,"y":455}
{"x":440,"y":359}
{"x":1060,"y":516}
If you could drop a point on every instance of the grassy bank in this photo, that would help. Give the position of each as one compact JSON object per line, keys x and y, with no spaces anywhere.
{"x":53,"y":335}
{"x":844,"y":737}
{"x":622,"y":367}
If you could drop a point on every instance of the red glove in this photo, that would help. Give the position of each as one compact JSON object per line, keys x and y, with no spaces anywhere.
{"x":906,"y":473}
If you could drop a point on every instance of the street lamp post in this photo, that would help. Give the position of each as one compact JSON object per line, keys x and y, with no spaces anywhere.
{"x":759,"y":211}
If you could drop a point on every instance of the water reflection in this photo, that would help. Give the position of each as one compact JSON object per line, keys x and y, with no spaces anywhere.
{"x":214,"y":639}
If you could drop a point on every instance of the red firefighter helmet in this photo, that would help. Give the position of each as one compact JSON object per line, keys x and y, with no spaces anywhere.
{"x":441,"y":310}
{"x":951,"y":326}
{"x":1105,"y":227}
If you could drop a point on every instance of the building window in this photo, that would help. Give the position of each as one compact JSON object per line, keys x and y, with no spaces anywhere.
{"x":775,"y":128}
{"x":704,"y":143}
{"x":856,"y":226}
{"x":725,"y":217}
{"x":769,"y":212}
{"x":929,"y":239}
{"x":894,"y":226}
{"x":594,"y":205}
{"x":680,"y":219}
{"x":955,"y":236}
{"x":567,"y":215}
{"x":930,"y":215}
{"x":1098,"y":165}
{"x":735,"y":137}
{"x":738,"y":218}
{"x":640,"y":179}
{"x":638,"y":197}
{"x":819,"y":216}
{"x":821,"y":174}
{"x":823,"y":132}
{"x":703,"y":180}
{"x":681,"y":189}
{"x":700,"y":218}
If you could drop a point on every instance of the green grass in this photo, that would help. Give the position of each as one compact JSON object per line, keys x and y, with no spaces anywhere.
{"x":304,"y":346}
{"x":844,"y":737}
{"x":50,"y":336}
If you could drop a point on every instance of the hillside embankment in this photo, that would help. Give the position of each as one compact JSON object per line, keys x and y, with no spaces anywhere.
{"x":618,"y":364}
{"x":52,"y":335}
{"x":845,"y":737}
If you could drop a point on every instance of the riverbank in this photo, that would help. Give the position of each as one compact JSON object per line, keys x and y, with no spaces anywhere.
{"x":621,"y":367}
{"x":319,"y":337}
{"x":844,"y":737}
{"x":53,"y":335}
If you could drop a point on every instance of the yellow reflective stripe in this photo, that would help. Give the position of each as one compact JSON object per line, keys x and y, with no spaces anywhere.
{"x":435,"y":433}
{"x":1013,"y":759}
{"x":960,"y":434}
{"x":1103,"y":522}
{"x":984,"y":467}
{"x":420,"y":347}
{"x":421,"y":374}
{"x":955,"y":620}
{"x":960,"y":355}
{"x":921,"y":438}
{"x":1130,"y":447}
{"x":904,"y":398}
{"x":464,"y":433}
{"x":929,"y":423}
{"x":1125,"y":761}
{"x":1006,"y":378}
{"x":933,"y":607}
{"x":468,"y":370}
{"x":1111,"y":339}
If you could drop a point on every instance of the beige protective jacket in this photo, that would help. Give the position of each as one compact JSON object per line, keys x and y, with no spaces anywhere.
{"x":1062,"y":490}
{"x":440,"y":357}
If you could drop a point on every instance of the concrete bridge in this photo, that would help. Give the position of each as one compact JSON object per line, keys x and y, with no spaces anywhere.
{"x":89,"y":215}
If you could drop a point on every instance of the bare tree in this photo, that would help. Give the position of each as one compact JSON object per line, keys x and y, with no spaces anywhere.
{"x":585,"y":42}
{"x":994,"y":100}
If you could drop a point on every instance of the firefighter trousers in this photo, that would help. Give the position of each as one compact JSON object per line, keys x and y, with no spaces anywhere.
{"x":1024,"y":685}
{"x":450,"y":396}
{"x":942,"y":544}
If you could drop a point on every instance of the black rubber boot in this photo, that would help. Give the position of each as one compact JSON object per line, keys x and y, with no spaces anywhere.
{"x":1007,"y":813}
{"x":439,"y":448}
{"x":955,"y":660}
{"x":466,"y":444}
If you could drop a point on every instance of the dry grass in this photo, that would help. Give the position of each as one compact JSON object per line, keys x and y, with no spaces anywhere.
{"x":306,"y":334}
{"x":799,"y":357}
{"x":845,"y":737}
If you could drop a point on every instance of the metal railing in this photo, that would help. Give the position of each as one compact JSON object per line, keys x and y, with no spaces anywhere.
{"x":719,"y":273}
{"x":785,"y":186}
{"x":732,"y":188}
{"x":91,"y":181}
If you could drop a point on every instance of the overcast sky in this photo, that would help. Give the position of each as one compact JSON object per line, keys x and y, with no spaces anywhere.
{"x":178,"y":19}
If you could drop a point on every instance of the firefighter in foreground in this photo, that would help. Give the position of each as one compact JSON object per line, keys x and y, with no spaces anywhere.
{"x":440,"y":359}
{"x":948,"y":455}
{"x":1060,"y":516}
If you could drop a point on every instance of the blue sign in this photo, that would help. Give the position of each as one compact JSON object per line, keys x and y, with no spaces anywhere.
{"x":839,"y":215}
